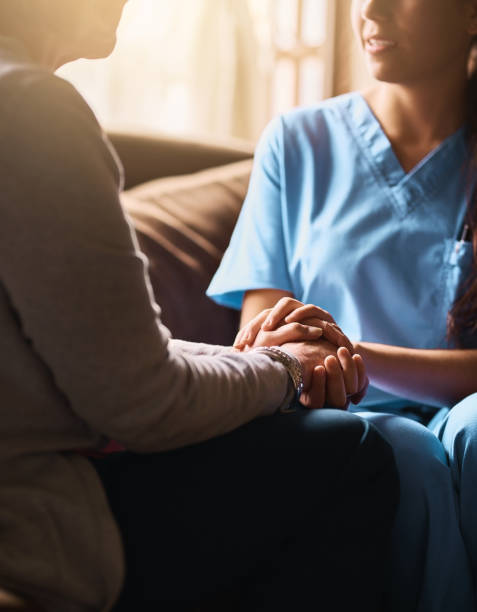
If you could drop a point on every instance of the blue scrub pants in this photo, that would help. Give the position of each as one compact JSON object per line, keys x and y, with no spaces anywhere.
{"x":434,"y":560}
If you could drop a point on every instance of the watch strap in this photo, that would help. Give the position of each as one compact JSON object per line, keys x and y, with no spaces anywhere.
{"x":290,"y":362}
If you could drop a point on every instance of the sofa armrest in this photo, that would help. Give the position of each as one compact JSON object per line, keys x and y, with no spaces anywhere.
{"x":150,"y":156}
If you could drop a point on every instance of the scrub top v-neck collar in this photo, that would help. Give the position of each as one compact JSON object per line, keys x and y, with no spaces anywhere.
{"x":404,"y":189}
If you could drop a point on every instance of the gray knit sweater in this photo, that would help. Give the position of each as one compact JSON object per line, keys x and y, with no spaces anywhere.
{"x":83,"y":355}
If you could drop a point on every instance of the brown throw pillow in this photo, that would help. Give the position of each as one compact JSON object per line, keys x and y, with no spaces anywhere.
{"x":184,"y":224}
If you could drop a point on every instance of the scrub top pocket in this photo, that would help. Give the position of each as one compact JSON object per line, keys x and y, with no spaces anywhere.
{"x":458,"y":265}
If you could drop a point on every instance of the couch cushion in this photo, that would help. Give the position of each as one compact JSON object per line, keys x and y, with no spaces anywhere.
{"x":184,"y":224}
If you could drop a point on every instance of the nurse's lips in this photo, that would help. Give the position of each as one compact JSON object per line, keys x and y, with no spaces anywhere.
{"x":375,"y":45}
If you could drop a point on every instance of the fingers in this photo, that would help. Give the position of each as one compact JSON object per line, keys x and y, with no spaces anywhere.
{"x":350,"y":371}
{"x":288,"y":310}
{"x":361,"y":371}
{"x":335,"y":386}
{"x":315,"y":395}
{"x":356,"y":399}
{"x":249,"y":332}
{"x":309,"y":311}
{"x":295,"y":332}
{"x":354,"y":375}
{"x":333,"y":334}
{"x":343,"y":378}
{"x":363,"y":380}
{"x":292,"y":332}
{"x":282,"y":308}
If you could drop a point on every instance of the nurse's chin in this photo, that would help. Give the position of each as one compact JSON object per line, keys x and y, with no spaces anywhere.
{"x":383,"y":71}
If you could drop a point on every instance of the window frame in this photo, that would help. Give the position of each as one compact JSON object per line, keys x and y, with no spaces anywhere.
{"x":300,"y":51}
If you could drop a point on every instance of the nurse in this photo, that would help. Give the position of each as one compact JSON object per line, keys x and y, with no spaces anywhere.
{"x":364,"y":206}
{"x":219,"y":492}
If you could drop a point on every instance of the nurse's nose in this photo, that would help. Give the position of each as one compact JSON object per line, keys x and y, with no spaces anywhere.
{"x":376,"y":10}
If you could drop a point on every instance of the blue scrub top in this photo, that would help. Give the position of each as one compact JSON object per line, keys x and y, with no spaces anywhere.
{"x":332,"y":217}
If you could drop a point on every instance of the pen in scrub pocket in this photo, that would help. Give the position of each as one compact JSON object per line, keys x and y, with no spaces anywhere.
{"x":465,"y":233}
{"x":465,"y":236}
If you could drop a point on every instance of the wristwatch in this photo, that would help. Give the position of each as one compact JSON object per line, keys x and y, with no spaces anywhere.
{"x":290,"y":362}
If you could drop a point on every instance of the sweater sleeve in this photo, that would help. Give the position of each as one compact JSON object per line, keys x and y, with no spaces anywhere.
{"x":199,"y":348}
{"x":78,"y":283}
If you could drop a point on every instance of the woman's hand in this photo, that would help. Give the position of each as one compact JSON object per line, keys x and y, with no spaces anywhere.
{"x":296,"y":320}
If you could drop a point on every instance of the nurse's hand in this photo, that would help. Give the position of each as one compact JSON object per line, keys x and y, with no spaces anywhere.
{"x":346,"y":381}
{"x":339,"y":380}
{"x":292,"y":315}
{"x":286,"y":332}
{"x":353,"y":376}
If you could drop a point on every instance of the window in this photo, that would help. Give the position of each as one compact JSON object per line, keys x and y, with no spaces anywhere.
{"x":215,"y":67}
{"x":303,"y":52}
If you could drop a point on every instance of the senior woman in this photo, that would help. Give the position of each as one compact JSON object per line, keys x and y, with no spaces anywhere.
{"x":205,"y":497}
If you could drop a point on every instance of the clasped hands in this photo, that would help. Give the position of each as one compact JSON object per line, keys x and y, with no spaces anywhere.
{"x":333,"y":374}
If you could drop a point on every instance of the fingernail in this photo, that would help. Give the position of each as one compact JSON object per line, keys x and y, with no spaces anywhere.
{"x":342,"y":352}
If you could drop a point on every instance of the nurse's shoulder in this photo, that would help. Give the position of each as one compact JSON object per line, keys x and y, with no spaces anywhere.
{"x":307,"y":127}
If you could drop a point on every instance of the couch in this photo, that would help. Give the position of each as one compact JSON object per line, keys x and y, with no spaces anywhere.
{"x":183,"y":197}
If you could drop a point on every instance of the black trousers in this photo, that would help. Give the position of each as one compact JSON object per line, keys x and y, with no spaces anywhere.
{"x":291,"y":512}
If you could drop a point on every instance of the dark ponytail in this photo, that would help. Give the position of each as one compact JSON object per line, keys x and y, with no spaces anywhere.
{"x":462,"y":318}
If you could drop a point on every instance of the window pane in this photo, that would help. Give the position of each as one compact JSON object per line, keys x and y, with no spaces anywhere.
{"x":313,"y":26}
{"x":285,"y":18}
{"x":311,"y":80}
{"x":284,"y":86}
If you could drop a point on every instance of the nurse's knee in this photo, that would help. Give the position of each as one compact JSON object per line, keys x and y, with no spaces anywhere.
{"x":357,"y":446}
{"x":344,"y":428}
{"x":420,"y":456}
{"x":421,"y":462}
{"x":337,"y":434}
{"x":413,"y":444}
{"x":459,"y":435}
